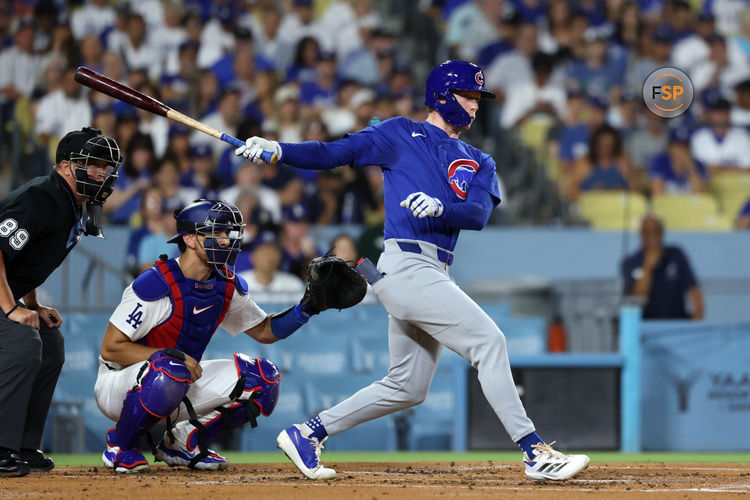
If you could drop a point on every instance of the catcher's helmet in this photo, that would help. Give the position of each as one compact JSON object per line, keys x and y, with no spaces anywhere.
{"x":218,"y":221}
{"x":449,"y":76}
{"x":81,"y":147}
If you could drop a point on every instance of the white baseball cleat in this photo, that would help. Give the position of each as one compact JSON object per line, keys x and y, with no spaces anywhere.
{"x":550,"y":464}
{"x":304,"y":453}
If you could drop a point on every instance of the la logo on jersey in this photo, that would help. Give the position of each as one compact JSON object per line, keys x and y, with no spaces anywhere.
{"x":460,"y":174}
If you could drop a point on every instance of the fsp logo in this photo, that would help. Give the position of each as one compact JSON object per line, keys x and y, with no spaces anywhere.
{"x":668,"y":92}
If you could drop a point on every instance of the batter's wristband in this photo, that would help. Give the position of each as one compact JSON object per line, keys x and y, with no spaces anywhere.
{"x":11,"y":311}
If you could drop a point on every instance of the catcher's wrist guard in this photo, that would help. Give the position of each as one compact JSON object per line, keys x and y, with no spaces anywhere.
{"x":286,"y":323}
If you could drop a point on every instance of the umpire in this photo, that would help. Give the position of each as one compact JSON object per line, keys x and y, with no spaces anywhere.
{"x":40,"y":223}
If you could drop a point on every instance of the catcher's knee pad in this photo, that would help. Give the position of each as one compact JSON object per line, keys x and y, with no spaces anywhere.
{"x":164,"y":385}
{"x":155,"y":396}
{"x":259,"y":381}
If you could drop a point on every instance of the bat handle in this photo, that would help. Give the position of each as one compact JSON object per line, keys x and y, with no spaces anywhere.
{"x":267,"y":156}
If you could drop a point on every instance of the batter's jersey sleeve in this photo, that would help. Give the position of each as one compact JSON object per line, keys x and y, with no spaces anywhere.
{"x":243,"y":314}
{"x":136,"y":317}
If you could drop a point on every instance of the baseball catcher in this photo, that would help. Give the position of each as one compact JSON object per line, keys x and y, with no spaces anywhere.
{"x":150,"y":364}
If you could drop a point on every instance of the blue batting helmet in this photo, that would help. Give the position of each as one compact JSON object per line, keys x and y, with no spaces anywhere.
{"x":216,"y":220}
{"x":450,"y":76}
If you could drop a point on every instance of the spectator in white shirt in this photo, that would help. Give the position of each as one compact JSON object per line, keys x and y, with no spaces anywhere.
{"x":137,"y":52}
{"x":18,"y":64}
{"x":92,"y":19}
{"x":63,"y":110}
{"x":719,"y":69}
{"x":472,"y":26}
{"x":265,"y":282}
{"x":719,"y":145}
{"x":300,"y":22}
{"x":168,"y":38}
{"x":694,"y":48}
{"x":543,"y":96}
{"x":513,"y":68}
{"x":217,"y":39}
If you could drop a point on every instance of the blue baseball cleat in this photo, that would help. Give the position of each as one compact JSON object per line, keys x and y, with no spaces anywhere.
{"x":125,"y":461}
{"x":304,"y":453}
{"x":550,"y":464}
{"x":175,"y":455}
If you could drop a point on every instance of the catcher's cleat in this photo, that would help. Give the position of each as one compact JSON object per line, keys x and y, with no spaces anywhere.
{"x":304,"y":453}
{"x":175,"y":455}
{"x":38,"y":461}
{"x":549,"y":463}
{"x":125,"y":461}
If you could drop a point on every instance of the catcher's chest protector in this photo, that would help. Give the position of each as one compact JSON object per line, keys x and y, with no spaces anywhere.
{"x":198,"y":308}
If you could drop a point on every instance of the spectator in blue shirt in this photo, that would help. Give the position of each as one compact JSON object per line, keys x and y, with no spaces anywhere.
{"x":605,"y":167}
{"x":676,"y":171}
{"x":322,"y":91}
{"x":662,"y":275}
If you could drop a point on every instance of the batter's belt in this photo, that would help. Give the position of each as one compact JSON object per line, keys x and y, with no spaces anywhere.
{"x":420,"y":247}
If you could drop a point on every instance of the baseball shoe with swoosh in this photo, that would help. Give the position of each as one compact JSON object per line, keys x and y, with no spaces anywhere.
{"x":127,"y":461}
{"x":304,"y":453}
{"x":175,"y":454}
{"x":550,"y":464}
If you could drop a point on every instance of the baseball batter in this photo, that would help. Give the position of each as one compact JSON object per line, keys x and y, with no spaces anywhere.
{"x":434,"y":186}
{"x":151,"y":352}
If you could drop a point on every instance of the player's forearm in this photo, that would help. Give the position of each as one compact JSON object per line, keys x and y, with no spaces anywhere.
{"x":127,"y":354}
{"x":315,"y":155}
{"x":642,"y":286}
{"x":30,"y":300}
{"x":118,"y":348}
{"x":7,"y":302}
{"x":697,"y":299}
{"x":471,"y":214}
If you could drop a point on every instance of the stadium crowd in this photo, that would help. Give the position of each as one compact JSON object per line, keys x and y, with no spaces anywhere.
{"x":568,"y":76}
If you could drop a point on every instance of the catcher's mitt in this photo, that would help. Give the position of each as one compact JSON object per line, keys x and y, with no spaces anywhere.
{"x":332,"y":284}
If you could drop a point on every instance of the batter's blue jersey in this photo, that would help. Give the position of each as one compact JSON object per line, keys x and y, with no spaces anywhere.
{"x":414,"y":156}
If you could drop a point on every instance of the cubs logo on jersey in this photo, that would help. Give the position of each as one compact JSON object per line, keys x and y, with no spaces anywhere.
{"x":460,"y":174}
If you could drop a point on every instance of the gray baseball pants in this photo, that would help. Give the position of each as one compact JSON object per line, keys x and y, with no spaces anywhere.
{"x":426,"y":311}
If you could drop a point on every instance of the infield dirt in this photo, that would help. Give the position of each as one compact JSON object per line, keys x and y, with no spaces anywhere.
{"x":385,"y":481}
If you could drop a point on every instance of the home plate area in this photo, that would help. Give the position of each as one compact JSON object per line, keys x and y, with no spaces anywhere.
{"x":389,"y":481}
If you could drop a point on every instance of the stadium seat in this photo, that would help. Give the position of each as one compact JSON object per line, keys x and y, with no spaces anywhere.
{"x":691,"y":212}
{"x":732,"y":203}
{"x":612,"y":210}
{"x":732,"y":189}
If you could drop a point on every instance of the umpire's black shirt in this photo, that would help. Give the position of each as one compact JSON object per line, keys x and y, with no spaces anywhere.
{"x":39,"y":226}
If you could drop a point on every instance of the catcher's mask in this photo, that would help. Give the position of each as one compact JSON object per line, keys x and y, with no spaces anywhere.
{"x":96,"y":159}
{"x":222,"y":226}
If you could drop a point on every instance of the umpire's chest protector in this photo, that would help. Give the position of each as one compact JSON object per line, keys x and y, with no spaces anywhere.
{"x":198,"y":307}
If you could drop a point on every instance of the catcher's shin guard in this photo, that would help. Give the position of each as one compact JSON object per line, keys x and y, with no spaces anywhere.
{"x":158,"y":393}
{"x":255,"y":394}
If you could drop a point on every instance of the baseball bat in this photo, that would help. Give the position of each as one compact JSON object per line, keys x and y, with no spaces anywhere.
{"x":92,"y":79}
